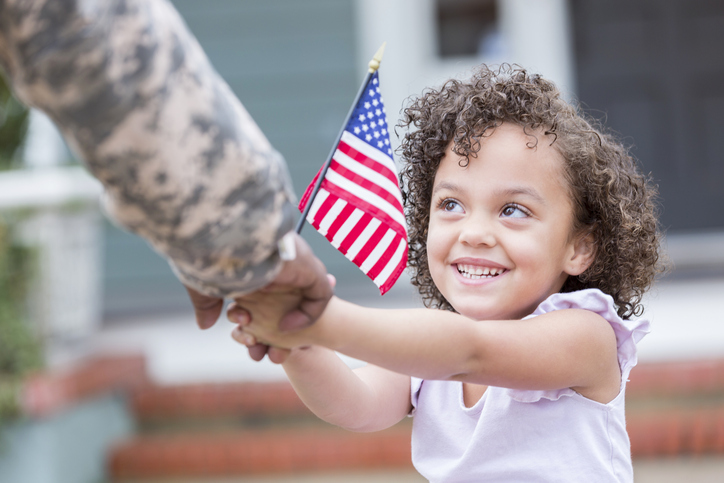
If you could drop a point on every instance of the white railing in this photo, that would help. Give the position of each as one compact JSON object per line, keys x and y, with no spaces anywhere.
{"x":55,"y":210}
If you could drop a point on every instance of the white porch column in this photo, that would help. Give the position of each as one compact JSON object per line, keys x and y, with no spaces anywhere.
{"x":534,"y":33}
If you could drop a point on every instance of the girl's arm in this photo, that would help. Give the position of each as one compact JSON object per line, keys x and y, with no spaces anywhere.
{"x":365,"y":399}
{"x":567,"y":348}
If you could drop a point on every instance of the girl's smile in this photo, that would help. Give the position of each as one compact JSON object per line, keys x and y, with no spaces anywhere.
{"x":499,"y":239}
{"x":475,"y":270}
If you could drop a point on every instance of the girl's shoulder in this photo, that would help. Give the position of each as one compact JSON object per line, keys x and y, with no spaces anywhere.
{"x":628,"y":332}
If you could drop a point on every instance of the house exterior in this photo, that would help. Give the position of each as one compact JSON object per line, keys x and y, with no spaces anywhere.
{"x":650,"y":69}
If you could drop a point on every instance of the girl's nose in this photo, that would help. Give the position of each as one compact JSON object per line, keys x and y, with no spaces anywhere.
{"x":477,"y":232}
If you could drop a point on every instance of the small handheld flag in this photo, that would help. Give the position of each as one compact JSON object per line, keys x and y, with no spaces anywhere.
{"x":355,"y":199}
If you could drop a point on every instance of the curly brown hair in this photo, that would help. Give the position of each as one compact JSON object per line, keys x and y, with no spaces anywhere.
{"x":611,"y":199}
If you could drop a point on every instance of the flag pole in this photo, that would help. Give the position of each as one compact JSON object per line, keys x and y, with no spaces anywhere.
{"x":373,"y":65}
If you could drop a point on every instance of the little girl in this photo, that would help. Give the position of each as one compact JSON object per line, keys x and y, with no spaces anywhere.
{"x":532,"y":240}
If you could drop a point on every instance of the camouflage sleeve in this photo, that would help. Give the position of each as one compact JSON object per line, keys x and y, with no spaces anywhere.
{"x":183,"y":163}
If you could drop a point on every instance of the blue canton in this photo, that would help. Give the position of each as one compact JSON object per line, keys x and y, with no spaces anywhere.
{"x":369,"y":120}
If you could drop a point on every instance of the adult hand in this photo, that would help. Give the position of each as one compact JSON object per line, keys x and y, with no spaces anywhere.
{"x":307,"y":289}
{"x":307,"y":277}
{"x":305,"y":274}
{"x":208,"y":309}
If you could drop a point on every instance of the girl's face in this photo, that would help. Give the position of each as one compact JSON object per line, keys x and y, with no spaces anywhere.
{"x":499,"y":240}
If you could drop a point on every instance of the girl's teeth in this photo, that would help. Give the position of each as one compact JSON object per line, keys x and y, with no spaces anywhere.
{"x":474,"y":272}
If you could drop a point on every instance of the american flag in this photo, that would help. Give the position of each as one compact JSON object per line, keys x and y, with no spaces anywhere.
{"x":359,"y":205}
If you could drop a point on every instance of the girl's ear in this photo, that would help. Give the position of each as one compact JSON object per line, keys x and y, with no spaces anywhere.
{"x":583,"y":252}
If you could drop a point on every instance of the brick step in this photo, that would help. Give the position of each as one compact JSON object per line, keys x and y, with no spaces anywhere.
{"x":197,"y":401}
{"x":308,"y":449}
{"x":676,"y":432}
{"x":237,"y":429}
{"x":226,"y":424}
{"x":317,"y":448}
{"x":679,"y":381}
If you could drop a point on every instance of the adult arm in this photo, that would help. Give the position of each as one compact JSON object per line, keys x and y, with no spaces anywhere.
{"x":182,"y":162}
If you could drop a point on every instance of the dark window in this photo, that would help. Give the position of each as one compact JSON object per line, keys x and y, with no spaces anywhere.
{"x":654,"y":69}
{"x":467,"y":28}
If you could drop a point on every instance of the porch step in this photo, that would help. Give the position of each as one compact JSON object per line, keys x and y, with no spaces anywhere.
{"x":676,"y":408}
{"x":225,"y":430}
{"x":249,"y":400}
{"x":256,"y":452}
{"x":222,"y":430}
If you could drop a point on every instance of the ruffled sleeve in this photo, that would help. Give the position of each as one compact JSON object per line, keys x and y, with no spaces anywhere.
{"x":628,"y":334}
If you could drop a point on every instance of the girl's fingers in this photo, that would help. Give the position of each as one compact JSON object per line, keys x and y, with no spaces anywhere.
{"x":258,"y":351}
{"x":243,"y":338}
{"x":238,"y":314}
{"x":278,"y":355}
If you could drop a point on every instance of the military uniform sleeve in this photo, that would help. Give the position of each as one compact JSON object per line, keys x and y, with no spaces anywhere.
{"x":182,"y":162}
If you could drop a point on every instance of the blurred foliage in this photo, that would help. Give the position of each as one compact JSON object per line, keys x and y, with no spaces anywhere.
{"x":20,"y":350}
{"x":13,"y":125}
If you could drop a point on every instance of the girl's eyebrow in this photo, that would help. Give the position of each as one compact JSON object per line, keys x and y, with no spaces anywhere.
{"x":521,"y":190}
{"x":445,"y":185}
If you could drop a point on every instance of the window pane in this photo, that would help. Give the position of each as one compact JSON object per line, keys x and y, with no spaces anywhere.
{"x":468,"y":28}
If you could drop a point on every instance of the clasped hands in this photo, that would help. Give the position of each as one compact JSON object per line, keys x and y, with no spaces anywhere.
{"x":293,"y":301}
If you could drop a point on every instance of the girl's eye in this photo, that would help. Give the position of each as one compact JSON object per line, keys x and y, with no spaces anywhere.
{"x":514,"y":211}
{"x":450,"y":205}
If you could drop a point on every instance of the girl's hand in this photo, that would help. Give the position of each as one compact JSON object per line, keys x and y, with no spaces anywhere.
{"x":259,"y":315}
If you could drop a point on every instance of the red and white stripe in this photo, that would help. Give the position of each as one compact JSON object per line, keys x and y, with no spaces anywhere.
{"x":359,"y":210}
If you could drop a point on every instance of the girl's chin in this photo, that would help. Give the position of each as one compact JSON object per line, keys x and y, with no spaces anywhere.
{"x":479,"y":313}
{"x":474,"y":311}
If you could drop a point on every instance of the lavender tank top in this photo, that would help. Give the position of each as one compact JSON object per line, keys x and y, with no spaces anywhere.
{"x":513,"y":435}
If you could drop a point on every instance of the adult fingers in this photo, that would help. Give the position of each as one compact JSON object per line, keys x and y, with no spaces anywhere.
{"x":307,"y":274}
{"x":206,"y":308}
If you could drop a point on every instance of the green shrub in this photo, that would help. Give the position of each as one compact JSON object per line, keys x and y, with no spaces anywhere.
{"x":20,"y":350}
{"x":13,"y":125}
